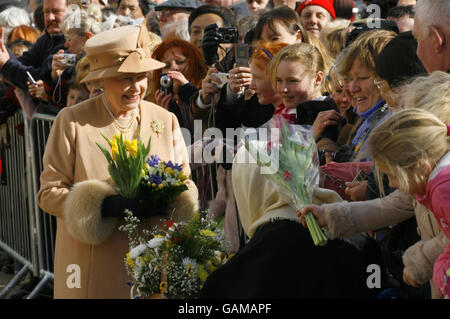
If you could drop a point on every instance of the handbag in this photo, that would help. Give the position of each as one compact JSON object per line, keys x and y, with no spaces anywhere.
{"x":334,"y":175}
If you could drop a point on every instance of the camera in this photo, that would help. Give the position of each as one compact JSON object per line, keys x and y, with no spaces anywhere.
{"x":165,"y":84}
{"x":228,"y":35}
{"x":68,"y":59}
{"x":223,"y":77}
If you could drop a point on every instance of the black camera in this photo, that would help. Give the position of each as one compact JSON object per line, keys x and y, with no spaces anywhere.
{"x":228,"y":35}
{"x":165,"y":84}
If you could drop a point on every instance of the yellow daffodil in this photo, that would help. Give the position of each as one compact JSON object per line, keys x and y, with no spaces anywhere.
{"x":130,"y":262}
{"x":161,"y":186}
{"x":114,"y":149}
{"x":207,"y":232}
{"x":202,"y":274}
{"x":132,"y":147}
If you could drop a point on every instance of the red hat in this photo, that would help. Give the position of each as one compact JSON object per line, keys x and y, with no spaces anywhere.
{"x":326,"y":4}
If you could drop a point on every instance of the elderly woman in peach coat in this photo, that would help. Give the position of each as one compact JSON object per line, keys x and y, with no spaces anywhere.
{"x":75,"y":184}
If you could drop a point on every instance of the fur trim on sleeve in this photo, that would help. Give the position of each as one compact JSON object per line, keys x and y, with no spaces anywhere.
{"x":420,"y":268}
{"x":339,"y":220}
{"x":185,"y":205}
{"x":82,"y":212}
{"x":420,"y":257}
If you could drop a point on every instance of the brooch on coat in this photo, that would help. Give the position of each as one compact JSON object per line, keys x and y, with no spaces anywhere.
{"x":157,"y":127}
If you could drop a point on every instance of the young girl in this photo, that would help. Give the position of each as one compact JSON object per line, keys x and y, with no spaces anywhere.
{"x":413,"y":149}
{"x":298,"y":76}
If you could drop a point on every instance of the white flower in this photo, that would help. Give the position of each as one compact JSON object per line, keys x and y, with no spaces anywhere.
{"x":189,"y":262}
{"x":155,"y":242}
{"x":137,"y":251}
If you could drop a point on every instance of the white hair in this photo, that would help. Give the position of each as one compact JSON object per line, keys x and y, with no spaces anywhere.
{"x":82,"y":20}
{"x":13,"y":17}
{"x":433,"y":12}
{"x":109,"y":22}
{"x":178,"y":29}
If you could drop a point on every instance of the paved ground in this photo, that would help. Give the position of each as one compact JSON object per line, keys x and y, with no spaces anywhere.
{"x":4,"y":279}
{"x":6,"y":276}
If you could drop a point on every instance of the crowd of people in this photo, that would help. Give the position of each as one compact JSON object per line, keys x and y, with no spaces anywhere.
{"x":372,"y":85}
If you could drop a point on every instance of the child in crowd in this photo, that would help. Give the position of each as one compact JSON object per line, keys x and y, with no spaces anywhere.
{"x":298,"y":75}
{"x":76,"y":94}
{"x":413,"y":149}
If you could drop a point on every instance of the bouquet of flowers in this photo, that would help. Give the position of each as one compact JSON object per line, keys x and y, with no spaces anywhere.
{"x":126,"y":162}
{"x":293,"y":155}
{"x":175,"y":260}
{"x":150,"y":181}
{"x":161,"y":180}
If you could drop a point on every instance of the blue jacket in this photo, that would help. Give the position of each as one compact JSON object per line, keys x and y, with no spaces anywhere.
{"x":32,"y":60}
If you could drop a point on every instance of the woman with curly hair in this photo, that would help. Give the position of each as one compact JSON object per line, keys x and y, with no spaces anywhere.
{"x":186,"y":69}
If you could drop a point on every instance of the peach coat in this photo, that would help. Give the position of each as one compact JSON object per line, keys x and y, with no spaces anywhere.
{"x":74,"y":182}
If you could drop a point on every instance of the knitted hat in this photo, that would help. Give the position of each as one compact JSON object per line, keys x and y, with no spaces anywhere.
{"x":326,"y":4}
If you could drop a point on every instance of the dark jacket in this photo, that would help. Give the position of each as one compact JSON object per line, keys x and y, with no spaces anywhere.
{"x":307,"y":113}
{"x":281,"y":261}
{"x":32,"y":60}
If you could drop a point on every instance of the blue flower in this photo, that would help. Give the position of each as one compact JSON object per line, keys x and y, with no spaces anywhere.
{"x":154,"y":178}
{"x":153,"y":160}
{"x":173,"y":166}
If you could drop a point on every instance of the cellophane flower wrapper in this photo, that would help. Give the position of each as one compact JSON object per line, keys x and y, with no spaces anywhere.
{"x":288,"y":157}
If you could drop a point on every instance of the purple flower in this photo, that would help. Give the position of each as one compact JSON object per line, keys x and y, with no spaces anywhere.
{"x":153,"y":160}
{"x":154,"y":178}
{"x":173,"y":166}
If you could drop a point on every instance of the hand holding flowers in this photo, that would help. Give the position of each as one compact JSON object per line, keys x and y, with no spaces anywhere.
{"x":146,"y":186}
{"x":293,"y":154}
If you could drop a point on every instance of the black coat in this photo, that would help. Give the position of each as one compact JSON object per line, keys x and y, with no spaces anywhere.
{"x":242,"y":113}
{"x":307,"y":113}
{"x":281,"y":261}
{"x":32,"y":60}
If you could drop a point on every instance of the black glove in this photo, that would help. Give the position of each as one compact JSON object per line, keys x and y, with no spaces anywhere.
{"x":210,"y":44}
{"x":115,"y":205}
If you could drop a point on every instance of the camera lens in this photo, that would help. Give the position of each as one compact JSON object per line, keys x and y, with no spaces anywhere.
{"x":227,"y":38}
{"x":165,"y":81}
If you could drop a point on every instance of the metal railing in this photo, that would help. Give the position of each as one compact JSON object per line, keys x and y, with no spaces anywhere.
{"x":26,"y":233}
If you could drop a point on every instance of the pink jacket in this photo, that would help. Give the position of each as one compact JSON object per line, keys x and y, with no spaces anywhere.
{"x":437,"y":199}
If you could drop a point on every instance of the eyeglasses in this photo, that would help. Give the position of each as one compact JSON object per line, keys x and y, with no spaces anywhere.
{"x":378,"y":82}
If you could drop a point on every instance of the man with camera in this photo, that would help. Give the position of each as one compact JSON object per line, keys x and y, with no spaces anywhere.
{"x":14,"y":69}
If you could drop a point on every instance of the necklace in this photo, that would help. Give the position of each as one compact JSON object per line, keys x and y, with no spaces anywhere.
{"x":120,"y":128}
